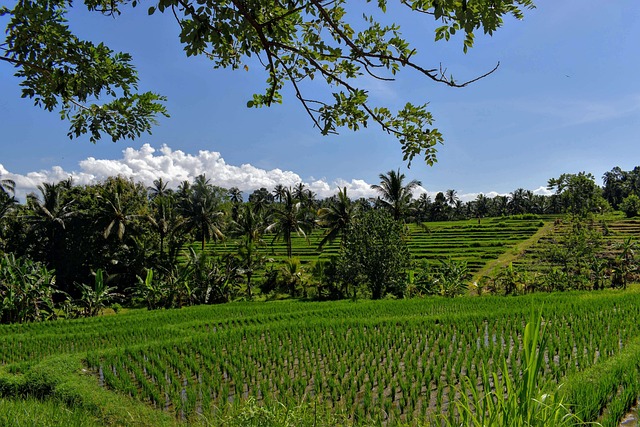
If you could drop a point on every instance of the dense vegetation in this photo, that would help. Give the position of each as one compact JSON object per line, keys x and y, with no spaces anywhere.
{"x":76,"y":251}
{"x":118,"y":242}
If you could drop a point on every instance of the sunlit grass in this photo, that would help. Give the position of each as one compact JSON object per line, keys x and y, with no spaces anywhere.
{"x":43,"y":413}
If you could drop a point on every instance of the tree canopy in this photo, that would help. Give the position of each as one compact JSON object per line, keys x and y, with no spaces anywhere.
{"x":295,"y":41}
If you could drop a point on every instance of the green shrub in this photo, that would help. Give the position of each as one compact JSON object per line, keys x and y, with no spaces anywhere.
{"x":631,"y":206}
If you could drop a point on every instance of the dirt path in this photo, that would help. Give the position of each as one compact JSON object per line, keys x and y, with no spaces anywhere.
{"x":514,"y":253}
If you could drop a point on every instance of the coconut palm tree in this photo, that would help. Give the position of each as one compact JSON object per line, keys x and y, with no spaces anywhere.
{"x":201,"y":212}
{"x":7,"y":196}
{"x":249,"y":227}
{"x":518,"y":201}
{"x":53,"y":212}
{"x":336,"y":217}
{"x":6,"y":203}
{"x":299,"y":191}
{"x":122,"y":203}
{"x":422,"y":206}
{"x":7,"y":187}
{"x":48,"y":216}
{"x":235,"y":197}
{"x":452,"y":197}
{"x":289,"y":217}
{"x":261,"y":199}
{"x":164,"y":219}
{"x":501,"y":205}
{"x":481,"y":206}
{"x":394,"y":194}
{"x":117,"y":211}
{"x":158,"y":189}
{"x":279,"y":192}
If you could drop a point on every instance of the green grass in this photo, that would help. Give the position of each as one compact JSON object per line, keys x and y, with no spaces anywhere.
{"x":344,"y":362}
{"x":32,"y":412}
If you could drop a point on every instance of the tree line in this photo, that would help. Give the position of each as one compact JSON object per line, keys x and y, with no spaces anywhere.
{"x":81,"y":247}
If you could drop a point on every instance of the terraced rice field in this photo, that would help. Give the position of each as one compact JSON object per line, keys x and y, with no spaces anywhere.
{"x":470,"y":241}
{"x":614,"y":231}
{"x":390,"y":361}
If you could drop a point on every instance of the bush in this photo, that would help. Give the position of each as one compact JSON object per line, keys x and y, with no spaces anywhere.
{"x":631,"y":206}
{"x":26,"y":290}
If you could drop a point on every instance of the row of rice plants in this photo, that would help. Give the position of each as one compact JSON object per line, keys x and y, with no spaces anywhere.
{"x":439,"y":240}
{"x":401,"y":365}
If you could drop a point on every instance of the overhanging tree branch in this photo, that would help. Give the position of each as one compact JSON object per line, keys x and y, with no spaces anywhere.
{"x":294,"y":41}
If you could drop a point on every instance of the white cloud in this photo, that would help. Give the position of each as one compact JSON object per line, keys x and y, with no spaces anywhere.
{"x":469,"y":197}
{"x":543,"y":191}
{"x":174,"y":166}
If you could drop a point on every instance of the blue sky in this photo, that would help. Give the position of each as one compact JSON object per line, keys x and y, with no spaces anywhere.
{"x":565,"y":99}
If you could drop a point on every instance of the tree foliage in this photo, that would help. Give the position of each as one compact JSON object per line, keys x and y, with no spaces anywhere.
{"x":579,"y":193}
{"x":60,"y":71}
{"x":26,"y":290}
{"x":394,"y":194}
{"x":619,"y":184}
{"x":297,"y":43}
{"x":382,"y":266}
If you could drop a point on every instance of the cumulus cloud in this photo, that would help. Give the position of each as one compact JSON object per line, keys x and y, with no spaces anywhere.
{"x":174,"y":166}
{"x":543,"y":191}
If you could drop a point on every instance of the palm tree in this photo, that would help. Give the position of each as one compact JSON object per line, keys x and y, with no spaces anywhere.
{"x":53,"y":209}
{"x":6,"y":203}
{"x":291,"y":273}
{"x":49,"y":218}
{"x":117,"y":212}
{"x":158,"y":189}
{"x":452,"y":197}
{"x":201,"y":213}
{"x":289,"y":218}
{"x":184,"y":190}
{"x":7,"y":196}
{"x":396,"y":196}
{"x":279,"y":192}
{"x":299,"y":191}
{"x":422,"y":206}
{"x":164,"y":219}
{"x":235,"y":196}
{"x":501,"y":205}
{"x":309,"y":199}
{"x":261,"y":199}
{"x":249,"y":226}
{"x":625,"y":262}
{"x":7,"y":187}
{"x":336,"y":217}
{"x":517,"y":201}
{"x":481,"y":206}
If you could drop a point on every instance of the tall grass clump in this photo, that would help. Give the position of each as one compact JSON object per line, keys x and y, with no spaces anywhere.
{"x":503,"y":399}
{"x":15,"y":412}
